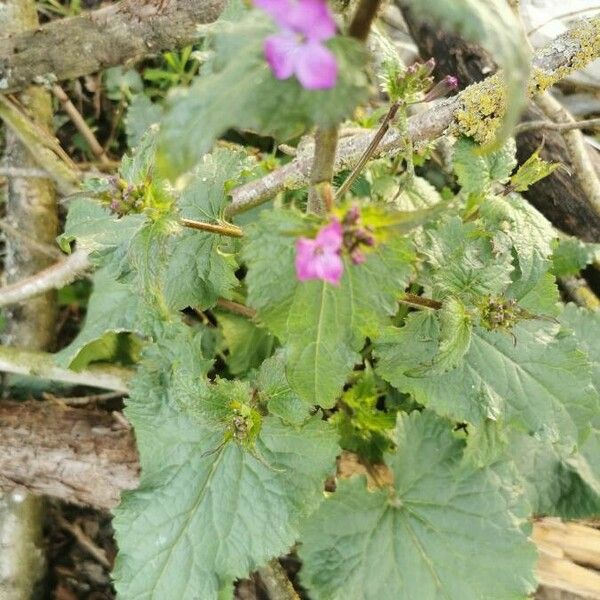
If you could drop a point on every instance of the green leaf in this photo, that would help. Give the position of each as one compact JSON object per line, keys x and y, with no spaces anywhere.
{"x":207,"y":512}
{"x":112,"y":309}
{"x":96,"y":229}
{"x":247,"y":345}
{"x":421,"y":194}
{"x":531,"y":171}
{"x":461,"y":261}
{"x":200,"y":268}
{"x":558,"y":484}
{"x":321,"y":326}
{"x":141,"y":114}
{"x":283,"y":109}
{"x":572,"y":255}
{"x":538,"y":381}
{"x":363,"y":423}
{"x":493,"y":25}
{"x":527,"y":232}
{"x":412,"y":543}
{"x":455,"y":336}
{"x":274,"y":387}
{"x":476,"y":172}
{"x":201,"y":265}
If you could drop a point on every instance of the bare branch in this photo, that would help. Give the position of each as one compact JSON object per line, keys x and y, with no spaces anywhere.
{"x":53,"y":277}
{"x":552,"y":126}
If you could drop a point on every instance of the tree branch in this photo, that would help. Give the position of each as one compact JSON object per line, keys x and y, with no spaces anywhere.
{"x":43,"y":365}
{"x":424,"y":127}
{"x":122,"y":32}
{"x":556,"y":60}
{"x":53,"y":277}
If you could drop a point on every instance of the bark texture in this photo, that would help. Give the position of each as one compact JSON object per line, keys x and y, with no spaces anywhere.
{"x":31,"y":208}
{"x":558,"y":197}
{"x":81,"y":456}
{"x":128,"y":30}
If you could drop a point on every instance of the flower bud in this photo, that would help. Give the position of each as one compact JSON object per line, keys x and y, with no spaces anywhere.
{"x":441,"y":89}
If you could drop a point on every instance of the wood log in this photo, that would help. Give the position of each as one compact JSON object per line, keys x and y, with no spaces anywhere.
{"x":558,"y":197}
{"x":76,"y":46}
{"x":85,"y":457}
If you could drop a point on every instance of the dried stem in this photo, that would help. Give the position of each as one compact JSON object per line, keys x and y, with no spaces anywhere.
{"x":80,"y":123}
{"x":369,"y":152}
{"x":33,"y":245}
{"x":556,"y":57}
{"x":580,"y":292}
{"x":551,"y":125}
{"x":222,"y":229}
{"x":23,"y":172}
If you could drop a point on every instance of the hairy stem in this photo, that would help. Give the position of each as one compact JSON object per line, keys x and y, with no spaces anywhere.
{"x":51,"y":278}
{"x":236,"y":307}
{"x":420,"y":301}
{"x":221,"y":229}
{"x":320,"y":196}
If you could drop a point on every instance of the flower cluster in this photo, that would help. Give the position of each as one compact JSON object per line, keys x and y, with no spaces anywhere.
{"x":121,"y":197}
{"x":298,"y":48}
{"x":321,"y":258}
{"x":356,"y":235}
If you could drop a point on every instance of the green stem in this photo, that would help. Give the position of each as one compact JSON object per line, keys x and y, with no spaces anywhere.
{"x":220,"y":229}
{"x":420,"y":301}
{"x":320,"y":196}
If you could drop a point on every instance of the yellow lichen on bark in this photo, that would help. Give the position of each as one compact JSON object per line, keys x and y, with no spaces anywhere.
{"x":482,"y":106}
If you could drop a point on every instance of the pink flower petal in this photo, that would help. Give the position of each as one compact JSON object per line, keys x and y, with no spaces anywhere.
{"x":329,"y":267}
{"x":280,"y":10}
{"x":305,"y":259}
{"x":281,"y":52}
{"x":315,"y":66}
{"x":331,"y":236}
{"x":312,"y":18}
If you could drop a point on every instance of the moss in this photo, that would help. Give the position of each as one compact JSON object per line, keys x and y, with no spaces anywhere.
{"x":483,"y":105}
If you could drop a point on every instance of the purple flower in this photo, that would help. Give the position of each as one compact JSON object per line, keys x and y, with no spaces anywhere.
{"x":320,"y":258}
{"x":298,"y":48}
